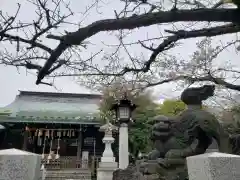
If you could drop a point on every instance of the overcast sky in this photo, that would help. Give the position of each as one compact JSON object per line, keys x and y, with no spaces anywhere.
{"x":11,"y":80}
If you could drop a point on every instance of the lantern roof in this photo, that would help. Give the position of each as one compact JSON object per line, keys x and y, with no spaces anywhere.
{"x":123,"y":103}
{"x":108,"y":127}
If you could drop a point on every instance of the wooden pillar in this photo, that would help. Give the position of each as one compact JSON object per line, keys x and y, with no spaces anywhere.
{"x":79,"y":145}
{"x":25,"y":139}
{"x":35,"y":141}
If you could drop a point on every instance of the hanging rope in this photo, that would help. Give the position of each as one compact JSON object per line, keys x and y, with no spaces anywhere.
{"x":44,"y":145}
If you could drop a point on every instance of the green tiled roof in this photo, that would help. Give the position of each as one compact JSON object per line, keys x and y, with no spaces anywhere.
{"x":31,"y":119}
{"x":52,"y":108}
{"x":54,"y":114}
{"x":5,"y":112}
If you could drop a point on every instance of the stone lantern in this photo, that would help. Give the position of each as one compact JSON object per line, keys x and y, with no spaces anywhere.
{"x":123,"y":111}
{"x":108,"y":140}
{"x":107,"y":165}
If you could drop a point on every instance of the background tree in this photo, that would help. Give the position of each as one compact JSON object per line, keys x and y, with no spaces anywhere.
{"x":230,"y":119}
{"x":139,"y":37}
{"x":139,"y":132}
{"x":204,"y":66}
{"x":171,"y":107}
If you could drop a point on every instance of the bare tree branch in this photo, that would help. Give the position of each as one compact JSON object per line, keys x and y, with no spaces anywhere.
{"x":30,"y":42}
{"x":75,"y":38}
{"x":225,"y":29}
{"x":34,"y":52}
{"x":208,"y":78}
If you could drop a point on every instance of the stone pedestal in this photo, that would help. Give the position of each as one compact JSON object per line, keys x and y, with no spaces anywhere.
{"x":19,"y":165}
{"x":107,"y":165}
{"x":108,"y":153}
{"x":105,"y":170}
{"x":123,"y":146}
{"x":214,"y":166}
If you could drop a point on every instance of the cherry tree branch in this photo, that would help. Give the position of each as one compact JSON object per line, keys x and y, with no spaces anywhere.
{"x":49,"y":18}
{"x":169,"y":42}
{"x":209,"y":78}
{"x":77,"y":37}
{"x":30,"y":42}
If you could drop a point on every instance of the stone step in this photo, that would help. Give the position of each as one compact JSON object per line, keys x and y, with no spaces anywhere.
{"x":75,"y":174}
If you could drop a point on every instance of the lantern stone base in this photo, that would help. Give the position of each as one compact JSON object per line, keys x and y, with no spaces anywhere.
{"x":108,"y":159}
{"x":105,"y":170}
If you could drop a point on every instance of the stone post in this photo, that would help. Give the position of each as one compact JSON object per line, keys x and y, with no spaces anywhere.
{"x":214,"y":166}
{"x":123,"y":146}
{"x":25,"y":138}
{"x":107,"y":165}
{"x":19,"y":165}
{"x":43,"y":172}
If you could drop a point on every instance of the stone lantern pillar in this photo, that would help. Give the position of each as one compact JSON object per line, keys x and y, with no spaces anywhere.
{"x":123,"y":110}
{"x":107,"y":165}
{"x":123,"y":146}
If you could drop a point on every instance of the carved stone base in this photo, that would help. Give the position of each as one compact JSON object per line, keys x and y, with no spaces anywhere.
{"x":132,"y":173}
{"x":165,"y":169}
{"x":105,"y":170}
{"x":129,"y":173}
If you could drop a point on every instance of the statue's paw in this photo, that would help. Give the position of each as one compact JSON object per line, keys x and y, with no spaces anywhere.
{"x":174,"y":153}
{"x":153,"y":155}
{"x":162,"y":162}
{"x":149,"y":168}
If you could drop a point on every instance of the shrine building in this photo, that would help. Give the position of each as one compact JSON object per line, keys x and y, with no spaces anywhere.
{"x":55,"y":125}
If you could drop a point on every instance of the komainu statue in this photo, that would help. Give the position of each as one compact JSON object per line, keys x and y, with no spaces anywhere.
{"x":190,"y":133}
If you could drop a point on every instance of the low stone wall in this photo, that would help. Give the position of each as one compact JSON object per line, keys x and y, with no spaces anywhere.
{"x":214,"y":166}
